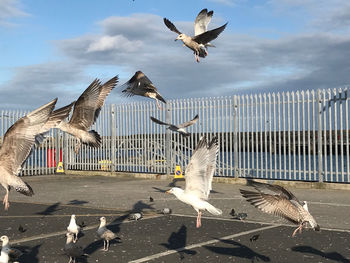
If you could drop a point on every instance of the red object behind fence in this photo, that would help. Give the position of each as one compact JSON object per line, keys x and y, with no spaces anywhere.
{"x":51,"y":157}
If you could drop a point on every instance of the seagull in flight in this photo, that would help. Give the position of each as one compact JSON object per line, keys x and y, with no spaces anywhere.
{"x":17,"y":145}
{"x":199,"y":176}
{"x":202,"y":37}
{"x":275,"y":199}
{"x":178,"y":128}
{"x":140,"y":85}
{"x":86,"y":111}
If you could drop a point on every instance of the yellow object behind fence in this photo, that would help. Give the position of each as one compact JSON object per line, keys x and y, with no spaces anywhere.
{"x":59,"y":168}
{"x":178,"y":172}
{"x":105,"y":164}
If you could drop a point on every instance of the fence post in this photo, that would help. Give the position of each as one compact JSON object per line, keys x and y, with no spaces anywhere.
{"x":319,"y":136}
{"x":235,"y":145}
{"x":167,"y":141}
{"x":113,"y":139}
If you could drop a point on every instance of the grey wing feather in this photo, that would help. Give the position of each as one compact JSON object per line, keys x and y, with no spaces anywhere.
{"x":208,"y":36}
{"x":273,"y":204}
{"x":158,"y":121}
{"x":56,"y":117}
{"x":195,"y":177}
{"x":189,"y":123}
{"x":273,"y":190}
{"x":85,"y":107}
{"x":20,"y":137}
{"x":213,"y":150}
{"x":202,"y":21}
{"x":171,"y":26}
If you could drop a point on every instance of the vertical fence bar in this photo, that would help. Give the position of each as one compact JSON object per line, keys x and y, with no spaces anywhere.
{"x":319,"y":136}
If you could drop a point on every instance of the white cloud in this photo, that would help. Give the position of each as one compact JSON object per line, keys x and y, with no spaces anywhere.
{"x":10,"y":9}
{"x":119,"y":42}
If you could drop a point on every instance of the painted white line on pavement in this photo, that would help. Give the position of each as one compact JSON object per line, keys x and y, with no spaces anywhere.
{"x":173,"y":251}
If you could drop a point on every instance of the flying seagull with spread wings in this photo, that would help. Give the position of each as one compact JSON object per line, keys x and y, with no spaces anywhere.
{"x":199,"y":176}
{"x":274,"y":199}
{"x":140,"y":85}
{"x":16,"y":147}
{"x":177,"y":128}
{"x":86,"y":111}
{"x":202,"y":37}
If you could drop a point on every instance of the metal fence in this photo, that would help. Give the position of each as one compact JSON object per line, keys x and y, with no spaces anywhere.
{"x":301,"y":135}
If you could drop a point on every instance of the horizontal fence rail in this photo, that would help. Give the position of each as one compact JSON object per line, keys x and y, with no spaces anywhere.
{"x":303,"y":135}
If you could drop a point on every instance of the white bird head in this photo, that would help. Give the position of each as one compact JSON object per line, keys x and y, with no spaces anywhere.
{"x":72,"y":216}
{"x":181,"y":36}
{"x":175,"y":191}
{"x":305,"y":206}
{"x":4,"y":240}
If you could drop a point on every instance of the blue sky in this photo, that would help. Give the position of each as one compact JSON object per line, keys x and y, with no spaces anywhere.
{"x":56,"y":48}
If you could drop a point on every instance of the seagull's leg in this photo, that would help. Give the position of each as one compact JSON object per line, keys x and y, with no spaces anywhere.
{"x":107,"y":245}
{"x":6,"y":199}
{"x":158,"y":105}
{"x":77,"y":147}
{"x":199,"y":219}
{"x":70,"y":259}
{"x":104,"y":245}
{"x":296,"y":230}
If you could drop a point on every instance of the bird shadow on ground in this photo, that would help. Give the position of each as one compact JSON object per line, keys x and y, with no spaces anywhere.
{"x":159,"y":190}
{"x":177,"y":240}
{"x":50,"y":209}
{"x":30,"y":254}
{"x":239,"y":250}
{"x":77,"y":202}
{"x":330,"y":255}
{"x":140,"y":206}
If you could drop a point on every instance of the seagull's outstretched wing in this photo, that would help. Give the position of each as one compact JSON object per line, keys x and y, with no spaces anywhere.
{"x":84,"y":108}
{"x":199,"y":171}
{"x":171,"y":26}
{"x":189,"y":123}
{"x":213,"y":150}
{"x":208,"y":36}
{"x":273,"y":204}
{"x":18,"y":142}
{"x":273,"y":190}
{"x":158,"y":121}
{"x":202,"y":21}
{"x":88,"y":105}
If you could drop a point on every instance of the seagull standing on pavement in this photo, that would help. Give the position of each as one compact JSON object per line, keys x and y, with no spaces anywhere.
{"x":274,"y":199}
{"x":178,"y":128}
{"x":17,"y":144}
{"x":200,"y":41}
{"x":12,"y":253}
{"x":72,"y":249}
{"x":105,"y":234}
{"x":199,"y":176}
{"x":73,"y":228}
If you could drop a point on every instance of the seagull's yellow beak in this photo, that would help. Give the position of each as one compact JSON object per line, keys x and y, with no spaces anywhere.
{"x":167,"y":192}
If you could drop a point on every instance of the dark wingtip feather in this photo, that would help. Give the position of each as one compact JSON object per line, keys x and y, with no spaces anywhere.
{"x":317,"y":228}
{"x":159,"y":97}
{"x":27,"y":190}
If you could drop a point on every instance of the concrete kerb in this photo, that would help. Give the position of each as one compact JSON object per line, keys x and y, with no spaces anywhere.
{"x":226,"y":180}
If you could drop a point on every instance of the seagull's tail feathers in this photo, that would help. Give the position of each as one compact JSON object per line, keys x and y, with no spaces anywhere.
{"x":159,"y":97}
{"x":92,"y":138}
{"x":202,"y":52}
{"x":212,"y":209}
